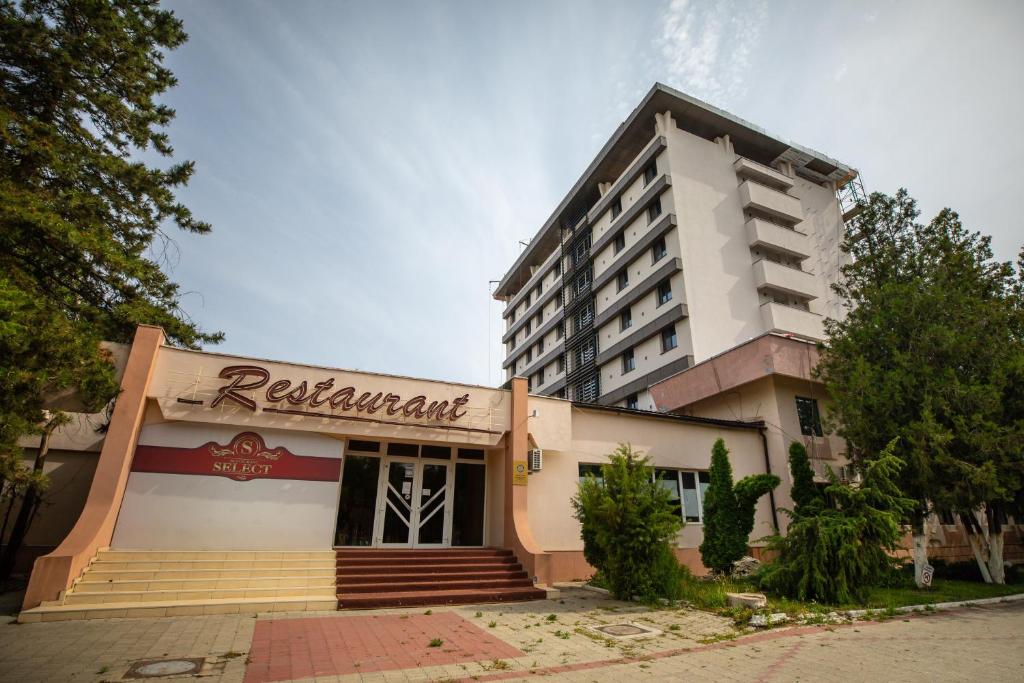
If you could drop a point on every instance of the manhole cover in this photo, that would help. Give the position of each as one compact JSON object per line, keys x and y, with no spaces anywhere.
{"x":627,"y":630}
{"x":164,"y":667}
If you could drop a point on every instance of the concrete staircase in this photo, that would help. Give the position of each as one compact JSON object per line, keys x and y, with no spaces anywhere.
{"x":140,"y":583}
{"x":402,"y":578}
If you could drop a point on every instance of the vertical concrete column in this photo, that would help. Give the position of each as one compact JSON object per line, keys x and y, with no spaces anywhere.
{"x":55,"y":572}
{"x":518,"y":534}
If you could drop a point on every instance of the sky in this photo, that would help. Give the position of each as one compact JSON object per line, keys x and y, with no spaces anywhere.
{"x":369,"y":167}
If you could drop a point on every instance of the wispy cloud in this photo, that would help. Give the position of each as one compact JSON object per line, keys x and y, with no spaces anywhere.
{"x":706,"y":48}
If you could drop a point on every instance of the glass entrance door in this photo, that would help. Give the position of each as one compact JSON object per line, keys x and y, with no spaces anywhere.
{"x":415,"y":509}
{"x":432,"y":518}
{"x":399,"y":500}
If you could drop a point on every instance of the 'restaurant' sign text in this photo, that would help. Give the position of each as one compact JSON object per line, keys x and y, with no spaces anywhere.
{"x":243,"y":380}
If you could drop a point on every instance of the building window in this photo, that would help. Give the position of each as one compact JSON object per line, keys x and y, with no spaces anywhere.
{"x":588,"y":470}
{"x":620,"y":242}
{"x":558,"y":267}
{"x":659,"y":250}
{"x":668,"y":339}
{"x":810,"y":418}
{"x":529,"y":383}
{"x":653,"y":210}
{"x":561,"y":363}
{"x":650,"y":173}
{"x":694,"y":485}
{"x":632,"y":402}
{"x":616,"y":207}
{"x":628,"y":361}
{"x":560,"y":330}
{"x":527,"y":302}
{"x":529,"y":354}
{"x":529,"y":326}
{"x":539,"y":379}
{"x":539,"y":290}
{"x":622,"y":279}
{"x":540,"y":346}
{"x":512,"y":318}
{"x":558,"y":300}
{"x":626,"y":320}
{"x":664,"y":292}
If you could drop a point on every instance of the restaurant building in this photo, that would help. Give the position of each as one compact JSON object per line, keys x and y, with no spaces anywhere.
{"x":228,"y":484}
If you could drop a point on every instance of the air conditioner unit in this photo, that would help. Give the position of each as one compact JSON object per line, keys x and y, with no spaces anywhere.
{"x":536,"y":459}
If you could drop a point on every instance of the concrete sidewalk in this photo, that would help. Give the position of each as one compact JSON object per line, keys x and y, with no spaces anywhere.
{"x":558,"y":639}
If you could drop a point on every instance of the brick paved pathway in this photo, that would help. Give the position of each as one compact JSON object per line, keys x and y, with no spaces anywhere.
{"x":528,"y":641}
{"x":286,"y":649}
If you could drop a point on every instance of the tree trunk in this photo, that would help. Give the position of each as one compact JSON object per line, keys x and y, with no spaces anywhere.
{"x":975,"y":536}
{"x":996,"y":568}
{"x":27,"y":510}
{"x":920,"y":549}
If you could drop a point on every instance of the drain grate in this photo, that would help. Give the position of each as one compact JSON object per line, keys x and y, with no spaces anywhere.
{"x":155,"y":668}
{"x":631,"y":630}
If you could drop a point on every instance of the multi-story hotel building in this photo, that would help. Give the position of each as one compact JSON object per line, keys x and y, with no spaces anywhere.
{"x":691,"y":233}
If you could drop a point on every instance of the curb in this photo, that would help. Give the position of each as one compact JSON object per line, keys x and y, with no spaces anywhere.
{"x":857,"y":613}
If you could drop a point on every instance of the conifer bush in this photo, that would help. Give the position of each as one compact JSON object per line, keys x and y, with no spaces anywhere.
{"x":806,"y":496}
{"x":628,"y":522}
{"x":836,"y":554}
{"x":729,"y":511}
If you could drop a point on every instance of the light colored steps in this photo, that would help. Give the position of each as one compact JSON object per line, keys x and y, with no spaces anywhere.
{"x":179,"y":608}
{"x":77,"y":597}
{"x":90,"y":585}
{"x":144,"y":583}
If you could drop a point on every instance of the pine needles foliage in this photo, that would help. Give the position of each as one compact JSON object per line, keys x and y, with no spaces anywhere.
{"x":628,"y":521}
{"x":729,"y":511}
{"x":804,"y":493}
{"x":836,"y":554}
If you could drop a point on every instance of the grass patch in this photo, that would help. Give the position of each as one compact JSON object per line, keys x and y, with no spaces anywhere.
{"x":435,"y":642}
{"x":710,"y":594}
{"x":941,"y":590}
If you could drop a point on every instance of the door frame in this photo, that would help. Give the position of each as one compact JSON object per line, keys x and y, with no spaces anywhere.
{"x":416,"y":502}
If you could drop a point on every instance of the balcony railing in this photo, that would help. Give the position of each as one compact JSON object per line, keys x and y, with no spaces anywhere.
{"x":761,"y":198}
{"x":790,"y":320}
{"x":768,"y":274}
{"x":761,"y":233}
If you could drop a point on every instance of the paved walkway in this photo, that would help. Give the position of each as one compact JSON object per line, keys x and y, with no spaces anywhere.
{"x":525,"y":641}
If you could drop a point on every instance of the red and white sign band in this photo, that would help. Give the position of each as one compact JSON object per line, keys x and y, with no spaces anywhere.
{"x":246,"y":457}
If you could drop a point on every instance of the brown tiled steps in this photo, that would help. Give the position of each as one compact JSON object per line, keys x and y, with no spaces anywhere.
{"x":396,"y":578}
{"x":143,"y":583}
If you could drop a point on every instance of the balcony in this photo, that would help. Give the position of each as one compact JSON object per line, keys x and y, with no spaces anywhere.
{"x":751,"y":170}
{"x":785,"y":279}
{"x":757,"y":197}
{"x":761,"y":233}
{"x":789,"y":320}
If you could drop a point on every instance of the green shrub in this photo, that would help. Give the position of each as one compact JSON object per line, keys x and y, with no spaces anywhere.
{"x":729,"y":511}
{"x":835,"y":555}
{"x":627,"y":522}
{"x":806,"y":496}
{"x":667,"y":575}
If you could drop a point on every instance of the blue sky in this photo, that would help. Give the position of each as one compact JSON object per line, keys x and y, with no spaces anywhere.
{"x":368,"y":167}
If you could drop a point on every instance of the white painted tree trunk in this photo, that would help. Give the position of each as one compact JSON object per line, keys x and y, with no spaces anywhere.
{"x":979,"y":546}
{"x":996,"y":569}
{"x":920,"y":555}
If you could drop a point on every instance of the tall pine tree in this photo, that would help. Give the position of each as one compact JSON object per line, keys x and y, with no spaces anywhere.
{"x":81,"y":215}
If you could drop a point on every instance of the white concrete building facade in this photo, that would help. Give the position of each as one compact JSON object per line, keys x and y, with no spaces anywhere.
{"x":691,"y":233}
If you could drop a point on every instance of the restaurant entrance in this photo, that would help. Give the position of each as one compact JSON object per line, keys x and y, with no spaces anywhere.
{"x":402,"y":495}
